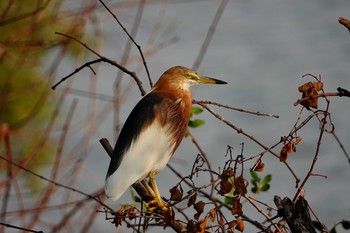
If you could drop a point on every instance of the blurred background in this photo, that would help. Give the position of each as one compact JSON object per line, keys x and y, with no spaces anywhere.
{"x":261,"y":48}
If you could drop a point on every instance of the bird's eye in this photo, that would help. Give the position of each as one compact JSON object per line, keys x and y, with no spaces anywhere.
{"x":190,"y":75}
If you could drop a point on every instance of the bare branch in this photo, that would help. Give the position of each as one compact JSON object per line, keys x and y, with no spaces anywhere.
{"x":341,"y":146}
{"x":19,"y":228}
{"x":323,"y":129}
{"x":240,"y":131}
{"x":130,"y":37}
{"x":233,"y":108}
{"x":210,"y":34}
{"x":56,"y":183}
{"x":322,"y":95}
{"x":101,"y":59}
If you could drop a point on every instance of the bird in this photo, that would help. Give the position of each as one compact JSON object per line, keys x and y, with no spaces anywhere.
{"x":152,"y":132}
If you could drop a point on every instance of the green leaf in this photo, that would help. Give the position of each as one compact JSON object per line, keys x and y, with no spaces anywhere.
{"x":265,"y":187}
{"x":195,"y":123}
{"x":254,"y":189}
{"x":258,"y":184}
{"x":134,"y":197}
{"x":228,"y":201}
{"x":254,"y":183}
{"x":196,"y":111}
{"x":255,"y":176}
{"x":266,"y":179}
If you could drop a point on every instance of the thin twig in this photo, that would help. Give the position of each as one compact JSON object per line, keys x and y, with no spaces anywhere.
{"x":56,"y":183}
{"x":19,"y":228}
{"x":209,"y":35}
{"x":233,"y":108}
{"x":50,"y":189}
{"x":320,"y":137}
{"x":5,"y":135}
{"x":80,"y":42}
{"x":240,"y":131}
{"x":320,"y":95}
{"x":262,"y":212}
{"x":101,"y":59}
{"x":341,"y":146}
{"x":216,"y":200}
{"x":25,"y":15}
{"x":74,"y":210}
{"x":132,"y":39}
{"x":194,"y":141}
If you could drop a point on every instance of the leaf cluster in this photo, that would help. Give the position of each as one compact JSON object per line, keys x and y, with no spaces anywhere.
{"x":260,"y":184}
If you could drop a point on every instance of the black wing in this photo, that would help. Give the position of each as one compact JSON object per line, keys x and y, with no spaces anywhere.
{"x":141,"y":116}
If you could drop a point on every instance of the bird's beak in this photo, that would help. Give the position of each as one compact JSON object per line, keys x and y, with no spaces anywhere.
{"x":203,"y":79}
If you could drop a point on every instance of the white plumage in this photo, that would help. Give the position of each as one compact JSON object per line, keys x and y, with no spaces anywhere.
{"x":151,"y":151}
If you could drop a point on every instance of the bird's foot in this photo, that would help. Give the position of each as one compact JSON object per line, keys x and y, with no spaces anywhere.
{"x":156,"y":204}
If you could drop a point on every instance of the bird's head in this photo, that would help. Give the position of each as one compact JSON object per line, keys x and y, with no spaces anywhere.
{"x":179,"y":77}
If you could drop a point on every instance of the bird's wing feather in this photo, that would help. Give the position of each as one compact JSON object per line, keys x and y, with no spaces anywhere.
{"x":140,"y":117}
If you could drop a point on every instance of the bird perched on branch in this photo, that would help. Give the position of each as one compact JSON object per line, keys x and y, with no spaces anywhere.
{"x":152,"y":133}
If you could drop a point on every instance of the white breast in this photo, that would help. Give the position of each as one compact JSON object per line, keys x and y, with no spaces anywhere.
{"x":151,"y":151}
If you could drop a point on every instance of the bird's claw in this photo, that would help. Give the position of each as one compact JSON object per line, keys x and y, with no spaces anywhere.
{"x":154,"y":205}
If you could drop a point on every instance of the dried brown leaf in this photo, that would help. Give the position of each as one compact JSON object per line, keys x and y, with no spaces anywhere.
{"x":202,"y":224}
{"x":232,"y":224}
{"x":289,"y":147}
{"x":175,"y":194}
{"x":212,"y":214}
{"x":199,"y":207}
{"x":237,"y":207}
{"x":310,"y":90}
{"x":192,"y":200}
{"x":131,"y":213}
{"x":240,"y":186}
{"x":240,"y":225}
{"x":259,"y":166}
{"x":318,"y":86}
{"x":191,"y":227}
{"x":305,"y":87}
{"x":225,"y":187}
{"x":196,"y":216}
{"x":284,"y":153}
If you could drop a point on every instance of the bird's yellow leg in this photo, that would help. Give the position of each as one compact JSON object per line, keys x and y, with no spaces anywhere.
{"x":149,"y":189}
{"x":161,"y":204}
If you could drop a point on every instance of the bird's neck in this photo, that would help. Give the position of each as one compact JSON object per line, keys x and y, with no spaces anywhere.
{"x":175,"y":93}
